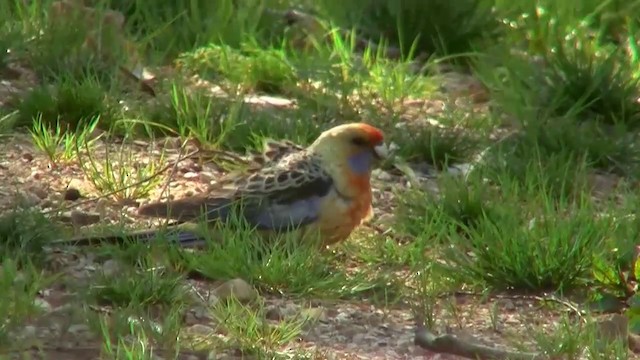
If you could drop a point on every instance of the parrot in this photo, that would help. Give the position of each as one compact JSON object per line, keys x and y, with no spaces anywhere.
{"x":324,"y":188}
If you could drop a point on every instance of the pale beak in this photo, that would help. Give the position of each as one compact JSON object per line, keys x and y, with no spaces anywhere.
{"x":381,"y":151}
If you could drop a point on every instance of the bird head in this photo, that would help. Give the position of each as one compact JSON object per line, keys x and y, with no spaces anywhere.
{"x":357,"y":146}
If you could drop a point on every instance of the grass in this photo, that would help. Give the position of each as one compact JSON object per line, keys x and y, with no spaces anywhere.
{"x":545,"y":214}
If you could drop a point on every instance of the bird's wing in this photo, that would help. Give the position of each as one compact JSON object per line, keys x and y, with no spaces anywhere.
{"x":279,"y":197}
{"x":274,"y":151}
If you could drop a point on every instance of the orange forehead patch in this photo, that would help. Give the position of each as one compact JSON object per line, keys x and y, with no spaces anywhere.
{"x":376,"y":135}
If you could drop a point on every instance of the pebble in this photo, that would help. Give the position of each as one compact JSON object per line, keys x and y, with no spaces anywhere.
{"x":29,"y":331}
{"x":79,"y":329}
{"x":238,"y":288}
{"x":81,"y":218}
{"x":72,"y":194}
{"x":42,"y":304}
{"x":28,"y":199}
{"x":202,"y":313}
{"x":201,"y":329}
{"x":28,"y":157}
{"x":39,"y":191}
{"x":111,"y":267}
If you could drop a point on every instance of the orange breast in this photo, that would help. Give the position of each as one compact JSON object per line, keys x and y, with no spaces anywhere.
{"x":362,"y":203}
{"x":350,"y":217}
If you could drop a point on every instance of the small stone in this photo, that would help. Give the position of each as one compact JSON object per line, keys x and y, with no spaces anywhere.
{"x":28,"y":157}
{"x":81,"y":218}
{"x":508,"y":304}
{"x":42,"y":304}
{"x":129,"y":202}
{"x":27,"y":199}
{"x":29,"y":331}
{"x":35,"y":175}
{"x":79,"y":329}
{"x":207,"y":176}
{"x":342,"y":317}
{"x":201,"y":329}
{"x":190,"y":175}
{"x":202,"y":313}
{"x":274,"y":313}
{"x":614,"y":328}
{"x":238,"y":288}
{"x":634,"y":343}
{"x":101,"y":207}
{"x":290,"y":310}
{"x":72,"y":194}
{"x":382,"y":175}
{"x":386,"y":219}
{"x":315,"y":314}
{"x":172,"y":142}
{"x":39,"y":191}
{"x":111,"y":267}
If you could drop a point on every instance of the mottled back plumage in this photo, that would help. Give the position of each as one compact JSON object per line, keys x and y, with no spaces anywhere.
{"x":265,"y":197}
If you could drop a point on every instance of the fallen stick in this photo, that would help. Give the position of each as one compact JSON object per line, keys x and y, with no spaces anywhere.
{"x":450,"y":344}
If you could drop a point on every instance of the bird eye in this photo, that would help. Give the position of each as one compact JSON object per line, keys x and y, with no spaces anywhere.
{"x":359,"y":141}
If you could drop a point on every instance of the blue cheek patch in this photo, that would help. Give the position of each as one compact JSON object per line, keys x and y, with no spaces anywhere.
{"x":360,"y":163}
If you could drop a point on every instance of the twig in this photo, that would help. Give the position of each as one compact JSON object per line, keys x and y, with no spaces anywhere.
{"x":175,"y":166}
{"x":450,"y":344}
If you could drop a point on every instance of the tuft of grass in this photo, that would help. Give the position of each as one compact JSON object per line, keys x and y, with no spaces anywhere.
{"x":249,"y":68}
{"x":547,"y":242}
{"x":70,"y":104}
{"x":459,"y":205}
{"x":127,"y":334}
{"x":393,"y":82}
{"x":250,"y":330}
{"x":283,"y":264}
{"x":573,"y":338}
{"x":57,"y":144}
{"x":437,"y":146}
{"x":87,"y":34}
{"x":206,"y":119}
{"x":23,"y":234}
{"x":139,"y":288}
{"x":20,"y":284}
{"x":574,"y":95}
{"x":174,"y":28}
{"x":592,"y":85}
{"x":124,"y":176}
{"x":561,"y":174}
{"x":434,"y":27}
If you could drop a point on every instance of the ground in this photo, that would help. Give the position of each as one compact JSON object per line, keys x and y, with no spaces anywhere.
{"x":504,"y":222}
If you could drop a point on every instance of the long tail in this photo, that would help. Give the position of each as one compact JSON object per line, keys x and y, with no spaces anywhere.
{"x":178,"y":235}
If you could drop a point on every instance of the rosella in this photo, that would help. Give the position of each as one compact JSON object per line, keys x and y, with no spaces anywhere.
{"x":324,"y":189}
